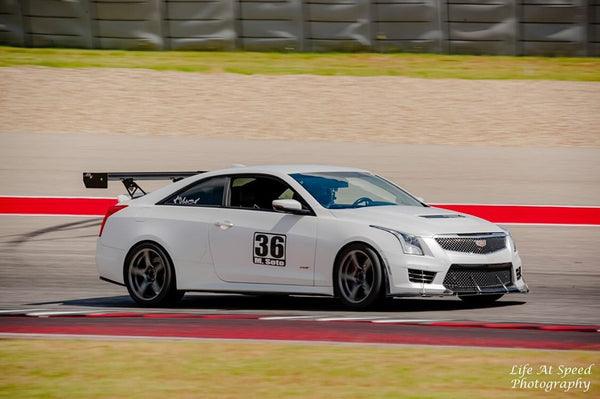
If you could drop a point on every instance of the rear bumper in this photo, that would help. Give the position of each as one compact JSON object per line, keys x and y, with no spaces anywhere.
{"x":109,"y":262}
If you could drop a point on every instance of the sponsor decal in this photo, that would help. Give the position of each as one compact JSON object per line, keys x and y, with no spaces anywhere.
{"x":179,"y":200}
{"x":269,"y":249}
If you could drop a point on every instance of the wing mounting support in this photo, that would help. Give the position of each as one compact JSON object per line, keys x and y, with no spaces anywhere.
{"x":129,"y":179}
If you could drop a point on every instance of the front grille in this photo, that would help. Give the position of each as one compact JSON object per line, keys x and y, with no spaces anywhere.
{"x":518,"y":273}
{"x":475,"y":245}
{"x":478,"y":278}
{"x":420,"y":276}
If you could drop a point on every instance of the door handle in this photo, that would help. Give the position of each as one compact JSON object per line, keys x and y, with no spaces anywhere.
{"x":224,"y":225}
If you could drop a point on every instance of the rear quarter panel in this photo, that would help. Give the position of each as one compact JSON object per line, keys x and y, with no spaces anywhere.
{"x":181,"y":231}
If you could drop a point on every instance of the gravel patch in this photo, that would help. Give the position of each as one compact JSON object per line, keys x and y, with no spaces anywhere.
{"x":300,"y":107}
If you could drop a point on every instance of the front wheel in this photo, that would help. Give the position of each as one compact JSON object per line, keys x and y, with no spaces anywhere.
{"x":149,"y":276}
{"x":480,"y":300}
{"x":359,"y":277}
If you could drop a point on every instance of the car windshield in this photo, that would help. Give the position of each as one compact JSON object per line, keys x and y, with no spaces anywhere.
{"x":342,"y":190}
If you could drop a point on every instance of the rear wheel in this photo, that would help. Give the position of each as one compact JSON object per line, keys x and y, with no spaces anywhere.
{"x":480,"y":299}
{"x":149,"y":276}
{"x":359,"y":277}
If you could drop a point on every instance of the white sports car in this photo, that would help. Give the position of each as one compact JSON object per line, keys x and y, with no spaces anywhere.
{"x":297,"y":229}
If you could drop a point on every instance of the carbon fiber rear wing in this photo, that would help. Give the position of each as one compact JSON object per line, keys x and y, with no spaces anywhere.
{"x":101,"y":179}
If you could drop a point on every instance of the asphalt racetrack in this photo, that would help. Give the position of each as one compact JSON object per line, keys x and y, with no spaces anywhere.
{"x":47,"y":262}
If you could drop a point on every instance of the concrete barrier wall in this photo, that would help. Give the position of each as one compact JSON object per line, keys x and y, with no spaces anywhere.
{"x":593,"y":26}
{"x":517,"y":27}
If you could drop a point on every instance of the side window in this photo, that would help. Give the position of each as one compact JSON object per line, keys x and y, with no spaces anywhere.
{"x":258,"y":192}
{"x":205,"y":193}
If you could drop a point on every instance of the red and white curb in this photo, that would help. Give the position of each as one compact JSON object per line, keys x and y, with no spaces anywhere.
{"x":496,"y":213}
{"x":305,"y":318}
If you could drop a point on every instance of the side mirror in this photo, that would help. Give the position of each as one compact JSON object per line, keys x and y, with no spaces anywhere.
{"x":289,"y":206}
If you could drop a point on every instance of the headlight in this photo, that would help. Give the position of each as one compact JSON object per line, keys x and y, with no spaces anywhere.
{"x":510,"y":242}
{"x":411,"y":244}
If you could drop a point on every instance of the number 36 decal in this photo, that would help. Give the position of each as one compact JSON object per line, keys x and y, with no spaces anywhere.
{"x":269,"y":249}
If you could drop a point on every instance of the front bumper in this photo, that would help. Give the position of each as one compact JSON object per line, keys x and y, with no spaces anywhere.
{"x":432,"y":290}
{"x":438,"y":265}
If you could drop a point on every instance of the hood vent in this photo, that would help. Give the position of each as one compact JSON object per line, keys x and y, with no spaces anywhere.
{"x":441,"y":216}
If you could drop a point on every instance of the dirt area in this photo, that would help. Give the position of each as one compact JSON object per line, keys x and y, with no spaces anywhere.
{"x":332,"y":108}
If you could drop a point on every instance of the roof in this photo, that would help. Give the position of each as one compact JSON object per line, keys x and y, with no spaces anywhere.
{"x":289,"y":168}
{"x":154,"y":196}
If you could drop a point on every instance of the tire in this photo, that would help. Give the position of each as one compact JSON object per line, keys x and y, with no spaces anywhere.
{"x":177,"y":297}
{"x":480,"y":300}
{"x":150,"y":277}
{"x":358,"y":277}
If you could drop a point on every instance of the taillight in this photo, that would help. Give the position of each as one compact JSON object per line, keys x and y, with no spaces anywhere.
{"x":111,"y":211}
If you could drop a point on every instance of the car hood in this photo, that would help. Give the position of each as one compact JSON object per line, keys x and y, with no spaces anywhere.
{"x":423,"y":221}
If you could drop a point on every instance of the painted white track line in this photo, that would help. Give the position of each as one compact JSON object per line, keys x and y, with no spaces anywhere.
{"x":371,"y":319}
{"x":320,"y":318}
{"x":404,"y":321}
{"x":361,"y":318}
{"x":287,"y":317}
{"x":18,"y":311}
{"x":58,"y":313}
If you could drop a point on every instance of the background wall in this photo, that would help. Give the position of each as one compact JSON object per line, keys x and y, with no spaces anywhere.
{"x":519,"y":27}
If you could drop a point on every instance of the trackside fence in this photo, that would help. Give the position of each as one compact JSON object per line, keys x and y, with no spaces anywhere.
{"x":510,"y":27}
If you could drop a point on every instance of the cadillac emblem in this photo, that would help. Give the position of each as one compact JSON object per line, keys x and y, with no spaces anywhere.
{"x":480,"y":243}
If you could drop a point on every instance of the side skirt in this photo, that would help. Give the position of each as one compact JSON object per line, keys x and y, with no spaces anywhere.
{"x":111,"y":281}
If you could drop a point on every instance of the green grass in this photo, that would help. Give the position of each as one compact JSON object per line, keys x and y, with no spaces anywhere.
{"x":177,"y":369}
{"x":355,"y":64}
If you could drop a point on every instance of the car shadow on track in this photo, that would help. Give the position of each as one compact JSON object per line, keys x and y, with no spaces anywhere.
{"x":257,"y":303}
{"x":58,"y":228}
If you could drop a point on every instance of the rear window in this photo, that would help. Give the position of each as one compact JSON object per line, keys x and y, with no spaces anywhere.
{"x":205,"y":193}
